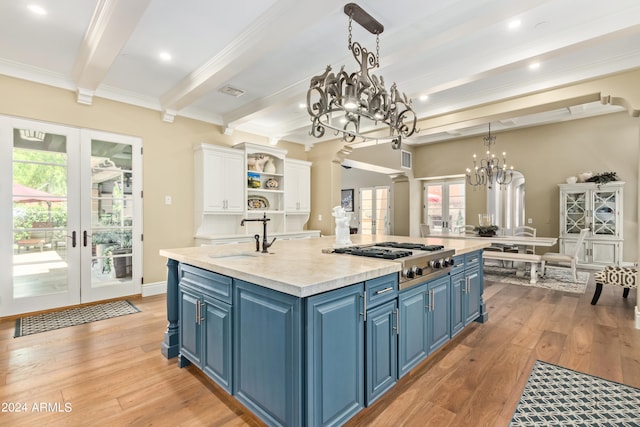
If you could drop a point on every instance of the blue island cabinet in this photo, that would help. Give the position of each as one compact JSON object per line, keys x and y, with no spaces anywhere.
{"x":335,"y":356}
{"x":205,"y":333}
{"x":466,"y":291}
{"x":267,"y":362}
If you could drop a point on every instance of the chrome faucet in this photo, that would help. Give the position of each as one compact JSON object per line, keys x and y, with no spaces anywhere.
{"x":265,"y":244}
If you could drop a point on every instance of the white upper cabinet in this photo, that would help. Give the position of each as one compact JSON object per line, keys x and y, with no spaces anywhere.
{"x":297,"y":186}
{"x":219,"y":179}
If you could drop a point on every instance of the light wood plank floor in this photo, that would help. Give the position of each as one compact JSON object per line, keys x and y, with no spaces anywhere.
{"x":112,"y":373}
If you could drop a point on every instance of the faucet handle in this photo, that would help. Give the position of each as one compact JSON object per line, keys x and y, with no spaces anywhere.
{"x":257,"y":237}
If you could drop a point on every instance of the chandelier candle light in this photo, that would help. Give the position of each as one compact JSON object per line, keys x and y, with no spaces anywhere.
{"x":490,"y":170}
{"x":340,"y":101}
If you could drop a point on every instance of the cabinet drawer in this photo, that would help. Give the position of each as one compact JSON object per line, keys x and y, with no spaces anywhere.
{"x":213,"y":284}
{"x":472,"y":259}
{"x":381,"y":289}
{"x":458,"y":264}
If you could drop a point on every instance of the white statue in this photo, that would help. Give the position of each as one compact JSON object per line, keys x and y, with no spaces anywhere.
{"x":343,"y":219}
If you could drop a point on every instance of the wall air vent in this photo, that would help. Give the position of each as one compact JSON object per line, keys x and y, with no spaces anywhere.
{"x":405,"y":160}
{"x":233,"y":91}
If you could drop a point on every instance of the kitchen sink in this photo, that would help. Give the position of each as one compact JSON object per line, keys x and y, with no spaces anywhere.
{"x":236,"y":255}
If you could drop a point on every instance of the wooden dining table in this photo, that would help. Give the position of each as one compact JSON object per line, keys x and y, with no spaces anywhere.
{"x":521,"y":242}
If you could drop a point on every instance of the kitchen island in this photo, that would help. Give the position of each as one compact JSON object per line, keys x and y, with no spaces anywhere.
{"x":301,"y":336}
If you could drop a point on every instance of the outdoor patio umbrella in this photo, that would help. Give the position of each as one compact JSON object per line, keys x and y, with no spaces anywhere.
{"x":24,"y":194}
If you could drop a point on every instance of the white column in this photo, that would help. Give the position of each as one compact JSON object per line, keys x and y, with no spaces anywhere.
{"x":638,"y":249}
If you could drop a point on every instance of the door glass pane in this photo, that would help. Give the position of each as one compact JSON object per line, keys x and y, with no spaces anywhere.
{"x":381,"y":210}
{"x":434,"y":206}
{"x":366,"y":211}
{"x":111,"y":213}
{"x":456,"y":206}
{"x":39,"y":214}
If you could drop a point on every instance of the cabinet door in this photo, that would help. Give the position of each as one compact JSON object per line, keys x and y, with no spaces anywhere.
{"x":438,"y":320}
{"x":267,"y":359}
{"x":381,"y":353}
{"x":335,"y":356}
{"x":223,"y":178}
{"x":234,"y":182}
{"x":216,"y":333}
{"x":574,"y":207}
{"x":297,"y":187}
{"x":190,"y":333}
{"x":458,"y":302}
{"x":604,"y":252}
{"x":412,"y":340}
{"x":213,"y":170}
{"x":473,"y":295}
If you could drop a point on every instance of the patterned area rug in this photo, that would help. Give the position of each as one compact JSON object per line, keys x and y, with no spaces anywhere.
{"x":555,"y":396}
{"x":558,"y":279}
{"x":76,"y":316}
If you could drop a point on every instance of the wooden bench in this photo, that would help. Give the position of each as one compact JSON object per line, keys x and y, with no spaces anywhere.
{"x":532,"y":259}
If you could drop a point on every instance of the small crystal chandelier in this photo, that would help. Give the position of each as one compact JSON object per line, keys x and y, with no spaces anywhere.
{"x":340,"y":101}
{"x":490,"y":170}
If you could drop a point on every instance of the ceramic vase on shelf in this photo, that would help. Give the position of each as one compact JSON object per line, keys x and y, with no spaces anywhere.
{"x":269,"y":167}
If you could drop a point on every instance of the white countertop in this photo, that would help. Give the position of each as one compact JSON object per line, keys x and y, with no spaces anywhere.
{"x":299,"y":267}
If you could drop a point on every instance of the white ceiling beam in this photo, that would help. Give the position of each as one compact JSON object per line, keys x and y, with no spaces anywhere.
{"x":280,"y":23}
{"x":111,"y":25}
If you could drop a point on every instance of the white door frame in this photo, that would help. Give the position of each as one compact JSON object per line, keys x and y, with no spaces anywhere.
{"x":78,"y":259}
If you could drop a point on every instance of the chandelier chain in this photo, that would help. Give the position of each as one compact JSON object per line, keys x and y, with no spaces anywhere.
{"x":350,"y":29}
{"x":378,"y":50}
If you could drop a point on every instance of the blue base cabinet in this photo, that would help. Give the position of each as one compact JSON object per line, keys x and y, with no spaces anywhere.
{"x":438,"y":319}
{"x":413,"y":340}
{"x":205,"y":332}
{"x":335,"y":356}
{"x":466,"y":291}
{"x":381,"y":350}
{"x":267,"y":362}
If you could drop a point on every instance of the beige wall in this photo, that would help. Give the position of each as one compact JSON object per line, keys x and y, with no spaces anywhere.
{"x":547,"y":155}
{"x":167,"y":160}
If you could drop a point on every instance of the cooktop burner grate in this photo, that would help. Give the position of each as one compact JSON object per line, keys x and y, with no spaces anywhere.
{"x":415,"y":246}
{"x":374,"y":252}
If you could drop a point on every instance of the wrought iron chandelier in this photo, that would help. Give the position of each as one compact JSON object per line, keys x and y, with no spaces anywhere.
{"x":490,"y":170}
{"x":341,"y":101}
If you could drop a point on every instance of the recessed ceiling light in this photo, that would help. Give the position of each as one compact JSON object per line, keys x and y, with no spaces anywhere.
{"x":514,"y":24}
{"x":424,"y":97}
{"x":302,"y":105}
{"x":37,"y":9}
{"x":165,"y":56}
{"x":534,"y":65}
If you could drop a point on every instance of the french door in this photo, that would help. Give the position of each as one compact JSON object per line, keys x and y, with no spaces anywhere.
{"x":375,"y":210}
{"x":73,"y":232}
{"x":444,"y":205}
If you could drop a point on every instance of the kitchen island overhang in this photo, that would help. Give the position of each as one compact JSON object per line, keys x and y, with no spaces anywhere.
{"x":300,"y":290}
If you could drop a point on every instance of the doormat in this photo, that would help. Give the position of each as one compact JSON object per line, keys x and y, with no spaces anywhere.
{"x":556,"y":396}
{"x":75,"y":316}
{"x":558,"y":279}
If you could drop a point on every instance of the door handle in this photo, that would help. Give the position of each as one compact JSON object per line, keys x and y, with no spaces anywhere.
{"x":84,"y":238}
{"x":73,"y":239}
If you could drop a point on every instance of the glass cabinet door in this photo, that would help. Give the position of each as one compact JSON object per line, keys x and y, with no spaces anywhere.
{"x":604,"y":212}
{"x":575,"y":205}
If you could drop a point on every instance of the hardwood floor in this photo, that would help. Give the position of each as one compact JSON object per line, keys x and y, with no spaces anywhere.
{"x":112,"y":373}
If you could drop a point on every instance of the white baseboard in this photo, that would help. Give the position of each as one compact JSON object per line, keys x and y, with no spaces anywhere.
{"x":157,"y":288}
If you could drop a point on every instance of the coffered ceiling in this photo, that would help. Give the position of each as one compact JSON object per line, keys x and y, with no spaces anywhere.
{"x":459,"y":53}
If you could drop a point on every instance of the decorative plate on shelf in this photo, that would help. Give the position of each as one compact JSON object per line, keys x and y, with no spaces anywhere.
{"x":271,"y":184}
{"x":257,"y":202}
